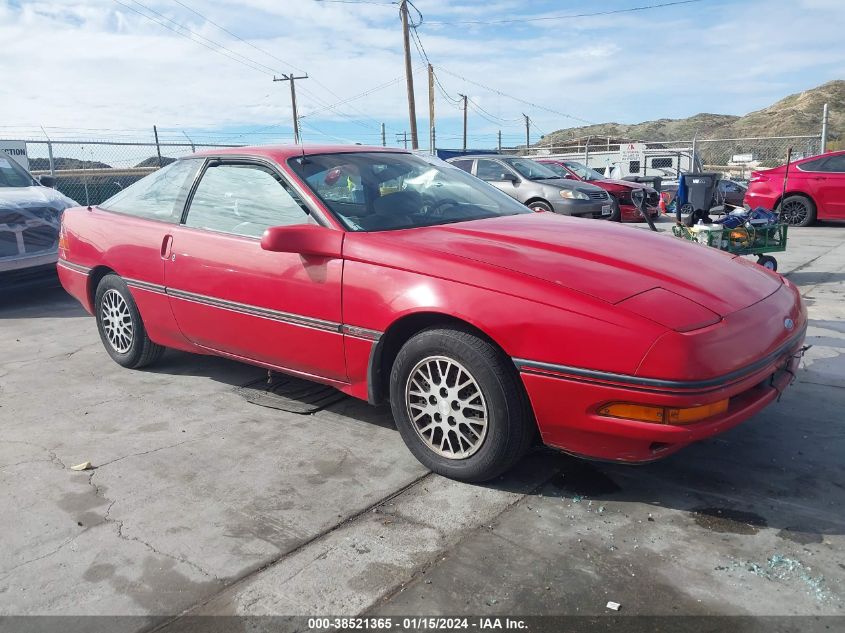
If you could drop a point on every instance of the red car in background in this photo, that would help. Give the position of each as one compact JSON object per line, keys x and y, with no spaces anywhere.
{"x":620,"y":190}
{"x":392,"y":278}
{"x":815,"y":189}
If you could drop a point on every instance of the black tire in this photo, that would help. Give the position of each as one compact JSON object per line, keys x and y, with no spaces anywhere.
{"x":510,"y":429}
{"x":616,"y":213}
{"x":767,"y":261}
{"x":797,"y":211}
{"x":539,"y":205}
{"x":132,"y":350}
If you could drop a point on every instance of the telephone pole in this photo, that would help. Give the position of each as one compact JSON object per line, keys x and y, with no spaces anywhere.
{"x":383,"y":136}
{"x":464,"y":97}
{"x":500,"y":141}
{"x":527,"y":133}
{"x":430,"y":109}
{"x":409,"y":77}
{"x":291,"y":78}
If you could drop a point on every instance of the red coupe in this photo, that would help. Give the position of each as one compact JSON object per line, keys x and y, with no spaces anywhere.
{"x":391,"y":277}
{"x":815,"y":189}
{"x":619,"y":189}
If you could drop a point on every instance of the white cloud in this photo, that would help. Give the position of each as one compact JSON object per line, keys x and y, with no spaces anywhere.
{"x":98,"y":64}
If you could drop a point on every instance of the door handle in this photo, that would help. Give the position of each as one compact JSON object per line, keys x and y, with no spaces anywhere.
{"x":166,"y":245}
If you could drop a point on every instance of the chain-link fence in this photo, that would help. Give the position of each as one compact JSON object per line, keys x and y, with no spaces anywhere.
{"x":92,"y":171}
{"x":734,"y":158}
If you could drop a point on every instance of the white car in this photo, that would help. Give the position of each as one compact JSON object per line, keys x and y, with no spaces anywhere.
{"x":30,"y":212}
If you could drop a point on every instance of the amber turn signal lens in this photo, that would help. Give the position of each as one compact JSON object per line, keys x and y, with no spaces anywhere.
{"x":663,"y":415}
{"x":694,"y":414}
{"x":639,"y":412}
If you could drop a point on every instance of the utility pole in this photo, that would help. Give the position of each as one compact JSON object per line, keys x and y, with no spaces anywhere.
{"x":404,"y":138}
{"x":824,"y":129}
{"x":430,"y":109}
{"x":527,"y":133}
{"x":383,"y":136}
{"x":409,"y":77}
{"x":500,"y":141}
{"x":291,"y":79}
{"x":464,"y":97}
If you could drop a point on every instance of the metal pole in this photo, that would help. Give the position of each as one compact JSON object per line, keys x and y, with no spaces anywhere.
{"x":50,"y":154}
{"x":383,"y":136}
{"x":409,"y":77}
{"x":158,"y":148}
{"x":193,"y":149}
{"x":694,"y":150}
{"x":824,"y":129}
{"x":500,"y":140}
{"x":430,"y":109}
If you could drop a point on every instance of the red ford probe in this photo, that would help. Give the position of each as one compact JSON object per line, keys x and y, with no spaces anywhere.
{"x":394,"y":278}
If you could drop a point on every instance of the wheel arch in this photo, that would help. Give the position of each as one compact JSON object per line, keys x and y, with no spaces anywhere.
{"x":384,"y":351}
{"x":94,"y":277}
{"x":802,"y":194}
{"x":538,"y":199}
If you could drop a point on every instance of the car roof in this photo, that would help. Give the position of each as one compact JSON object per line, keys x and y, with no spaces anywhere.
{"x":281,"y":153}
{"x":474,"y":156}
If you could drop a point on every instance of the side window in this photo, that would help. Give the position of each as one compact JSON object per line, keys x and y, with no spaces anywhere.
{"x":661,"y":163}
{"x":489,"y":170}
{"x":814,"y":165}
{"x":466,"y":165}
{"x":244,"y":200}
{"x":634,"y":167}
{"x":159,"y":196}
{"x":835,"y":164}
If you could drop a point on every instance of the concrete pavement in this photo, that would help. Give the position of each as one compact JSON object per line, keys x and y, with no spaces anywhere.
{"x":201,"y":503}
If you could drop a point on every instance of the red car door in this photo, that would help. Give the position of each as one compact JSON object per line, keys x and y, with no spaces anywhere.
{"x":231,"y":296}
{"x":829,"y":185}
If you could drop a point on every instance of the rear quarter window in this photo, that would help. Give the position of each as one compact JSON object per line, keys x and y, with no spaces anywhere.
{"x":159,"y":196}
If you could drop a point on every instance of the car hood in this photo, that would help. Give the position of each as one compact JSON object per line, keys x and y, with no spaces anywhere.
{"x":601,"y":259}
{"x":22,"y":198}
{"x":566,"y":183}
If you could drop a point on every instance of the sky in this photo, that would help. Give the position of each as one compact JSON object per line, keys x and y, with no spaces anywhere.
{"x":111,"y":69}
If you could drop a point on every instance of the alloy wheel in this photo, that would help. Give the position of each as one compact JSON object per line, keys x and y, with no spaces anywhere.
{"x":117,"y":321}
{"x":794,"y":212}
{"x":446,"y":407}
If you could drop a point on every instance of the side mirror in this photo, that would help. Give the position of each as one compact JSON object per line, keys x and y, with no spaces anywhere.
{"x":507,"y":176}
{"x":47,"y":181}
{"x":304,"y":239}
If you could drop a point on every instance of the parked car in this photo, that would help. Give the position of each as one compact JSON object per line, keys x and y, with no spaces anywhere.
{"x":537,"y":186}
{"x":815,"y":190}
{"x":29,"y":224}
{"x":393,"y":279}
{"x":619,"y":189}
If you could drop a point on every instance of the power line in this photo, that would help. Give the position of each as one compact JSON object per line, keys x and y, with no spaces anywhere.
{"x":568,"y":16}
{"x":504,"y":94}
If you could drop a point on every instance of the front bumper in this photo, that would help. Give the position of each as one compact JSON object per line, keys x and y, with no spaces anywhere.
{"x":581,"y":430}
{"x":630,"y":213}
{"x":584,"y":208}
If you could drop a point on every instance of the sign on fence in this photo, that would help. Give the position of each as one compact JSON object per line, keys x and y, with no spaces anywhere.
{"x":16,"y":151}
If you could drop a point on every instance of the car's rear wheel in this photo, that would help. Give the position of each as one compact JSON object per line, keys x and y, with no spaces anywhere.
{"x":121,"y":328}
{"x":540,"y":206}
{"x":458,"y":405}
{"x":797,"y":211}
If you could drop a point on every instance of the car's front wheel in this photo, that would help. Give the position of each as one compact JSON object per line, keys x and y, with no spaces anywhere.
{"x":539,"y":206}
{"x":458,"y":405}
{"x":121,"y":328}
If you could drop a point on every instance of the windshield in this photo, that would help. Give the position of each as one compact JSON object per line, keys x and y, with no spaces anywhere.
{"x":12,"y":174}
{"x":531,"y":169}
{"x":584,"y":172}
{"x":380,"y":191}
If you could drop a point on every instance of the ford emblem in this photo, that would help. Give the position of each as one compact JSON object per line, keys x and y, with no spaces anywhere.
{"x":788,"y":324}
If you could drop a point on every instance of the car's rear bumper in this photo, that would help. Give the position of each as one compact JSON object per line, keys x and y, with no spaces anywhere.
{"x":566,"y":406}
{"x":764,"y":199}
